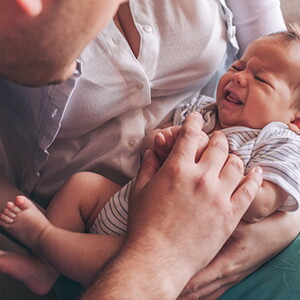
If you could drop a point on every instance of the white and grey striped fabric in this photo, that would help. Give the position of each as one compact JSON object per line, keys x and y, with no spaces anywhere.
{"x":112,"y":219}
{"x":275,"y":148}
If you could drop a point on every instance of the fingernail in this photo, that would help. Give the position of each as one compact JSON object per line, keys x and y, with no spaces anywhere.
{"x":259,"y":172}
{"x":197,"y":114}
{"x":147,"y":154}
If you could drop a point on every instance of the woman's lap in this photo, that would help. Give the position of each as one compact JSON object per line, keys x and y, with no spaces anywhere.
{"x":278,"y":279}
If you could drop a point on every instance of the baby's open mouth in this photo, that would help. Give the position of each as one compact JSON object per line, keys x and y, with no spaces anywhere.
{"x":232,"y":98}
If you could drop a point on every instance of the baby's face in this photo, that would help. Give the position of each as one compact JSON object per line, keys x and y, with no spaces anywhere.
{"x":256,"y":89}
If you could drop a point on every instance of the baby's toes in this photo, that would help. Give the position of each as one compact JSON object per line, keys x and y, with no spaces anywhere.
{"x":9,"y":213}
{"x":6,"y":219}
{"x":13,"y":208}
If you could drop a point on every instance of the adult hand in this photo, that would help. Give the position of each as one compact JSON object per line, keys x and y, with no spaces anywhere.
{"x":176,"y":210}
{"x":241,"y":256}
{"x":190,"y":205}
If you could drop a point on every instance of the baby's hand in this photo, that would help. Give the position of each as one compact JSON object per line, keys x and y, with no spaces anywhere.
{"x":164,"y":141}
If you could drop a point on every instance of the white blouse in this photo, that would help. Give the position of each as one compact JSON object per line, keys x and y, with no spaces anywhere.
{"x":97,"y":119}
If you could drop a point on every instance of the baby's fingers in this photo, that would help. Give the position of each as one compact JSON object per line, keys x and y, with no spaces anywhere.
{"x":164,"y":141}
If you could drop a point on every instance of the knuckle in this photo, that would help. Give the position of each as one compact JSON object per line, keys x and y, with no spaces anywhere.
{"x":190,"y":132}
{"x":202,"y":182}
{"x":204,"y":139}
{"x":193,"y":297}
{"x":219,"y":141}
{"x":192,"y":287}
{"x":247,"y":192}
{"x":236,"y":163}
{"x":227,"y":271}
{"x":175,"y":170}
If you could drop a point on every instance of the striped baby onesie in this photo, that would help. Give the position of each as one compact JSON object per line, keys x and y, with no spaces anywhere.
{"x":275,"y":148}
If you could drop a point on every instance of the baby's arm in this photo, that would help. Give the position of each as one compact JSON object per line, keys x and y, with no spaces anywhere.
{"x":269,"y":198}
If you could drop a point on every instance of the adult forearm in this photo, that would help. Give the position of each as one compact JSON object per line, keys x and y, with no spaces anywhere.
{"x":241,"y":256}
{"x":172,"y":217}
{"x":132,"y":275}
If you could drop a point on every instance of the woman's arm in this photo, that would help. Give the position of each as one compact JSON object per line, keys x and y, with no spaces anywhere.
{"x":250,"y":246}
{"x":254,"y":19}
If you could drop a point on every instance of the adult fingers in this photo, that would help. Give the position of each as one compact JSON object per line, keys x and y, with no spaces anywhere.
{"x":216,"y":153}
{"x":190,"y":139}
{"x":199,"y":282}
{"x":213,"y":289}
{"x":232,"y":173}
{"x":205,"y":293}
{"x":245,"y":193}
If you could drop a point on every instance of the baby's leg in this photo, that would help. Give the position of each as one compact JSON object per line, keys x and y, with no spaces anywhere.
{"x":76,"y":255}
{"x":79,"y":201}
{"x":23,"y":220}
{"x":71,"y":208}
{"x":27,"y":223}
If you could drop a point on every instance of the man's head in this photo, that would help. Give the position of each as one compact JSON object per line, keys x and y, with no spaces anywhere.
{"x":264,"y":85}
{"x":40,"y":39}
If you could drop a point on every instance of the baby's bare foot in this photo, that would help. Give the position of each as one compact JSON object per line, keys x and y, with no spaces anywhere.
{"x":24,"y":221}
{"x":10,"y":212}
{"x":34,"y":273}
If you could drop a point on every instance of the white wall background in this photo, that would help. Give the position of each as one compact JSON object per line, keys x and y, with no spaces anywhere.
{"x":291,"y":10}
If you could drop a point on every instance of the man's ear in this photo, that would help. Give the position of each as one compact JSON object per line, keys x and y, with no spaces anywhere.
{"x":31,"y":7}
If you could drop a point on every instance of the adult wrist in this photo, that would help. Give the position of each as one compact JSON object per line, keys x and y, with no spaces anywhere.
{"x":160,"y":272}
{"x":143,"y":269}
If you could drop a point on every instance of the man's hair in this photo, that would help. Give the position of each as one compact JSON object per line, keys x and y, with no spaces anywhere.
{"x":291,"y":37}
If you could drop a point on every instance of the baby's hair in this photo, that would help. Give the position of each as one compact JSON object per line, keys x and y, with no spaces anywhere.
{"x":294,"y":31}
{"x":291,"y":37}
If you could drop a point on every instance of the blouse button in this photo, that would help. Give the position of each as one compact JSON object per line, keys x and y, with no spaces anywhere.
{"x":132,"y":143}
{"x":147,"y":28}
{"x":140,"y":85}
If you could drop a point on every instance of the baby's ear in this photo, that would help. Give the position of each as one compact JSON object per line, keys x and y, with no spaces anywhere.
{"x":31,"y":7}
{"x":295,"y":123}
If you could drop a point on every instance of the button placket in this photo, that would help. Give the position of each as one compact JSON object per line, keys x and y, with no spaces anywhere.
{"x":132,"y":143}
{"x":54,"y":113}
{"x":140,"y":85}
